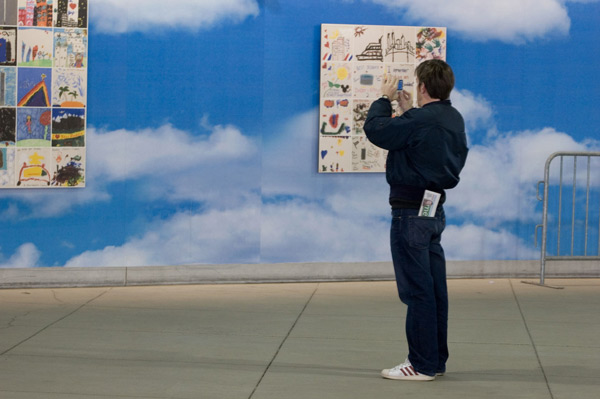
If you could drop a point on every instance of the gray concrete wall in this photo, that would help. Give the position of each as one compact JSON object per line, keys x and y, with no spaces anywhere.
{"x":277,"y":272}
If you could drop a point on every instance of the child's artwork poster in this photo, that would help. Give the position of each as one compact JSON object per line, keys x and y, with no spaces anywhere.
{"x":43,"y":93}
{"x":354,"y":59}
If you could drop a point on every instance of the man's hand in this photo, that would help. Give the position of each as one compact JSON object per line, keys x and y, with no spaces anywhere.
{"x":405,"y":100}
{"x":389,"y":87}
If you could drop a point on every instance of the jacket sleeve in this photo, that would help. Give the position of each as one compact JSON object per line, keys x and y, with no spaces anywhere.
{"x":387,"y":132}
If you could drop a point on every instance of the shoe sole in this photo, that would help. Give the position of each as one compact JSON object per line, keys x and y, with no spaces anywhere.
{"x":409,"y":377}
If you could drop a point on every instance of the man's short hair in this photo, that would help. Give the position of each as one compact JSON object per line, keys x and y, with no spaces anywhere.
{"x":437,"y":77}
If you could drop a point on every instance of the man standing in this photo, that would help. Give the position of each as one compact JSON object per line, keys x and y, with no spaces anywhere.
{"x":427,"y":150}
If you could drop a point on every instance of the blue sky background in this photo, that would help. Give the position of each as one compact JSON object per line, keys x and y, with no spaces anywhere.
{"x":202,"y":134}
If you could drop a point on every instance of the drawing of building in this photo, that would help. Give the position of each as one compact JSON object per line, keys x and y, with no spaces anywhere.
{"x":338,"y":49}
{"x":43,"y":13}
{"x":399,"y":46}
{"x":27,"y":14}
{"x":72,"y":13}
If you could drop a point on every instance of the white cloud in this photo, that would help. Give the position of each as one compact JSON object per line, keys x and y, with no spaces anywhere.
{"x":477,"y":112}
{"x":471,"y":242}
{"x":27,"y":255}
{"x":514,"y":21}
{"x":118,"y":16}
{"x":226,"y":236}
{"x":298,"y":231}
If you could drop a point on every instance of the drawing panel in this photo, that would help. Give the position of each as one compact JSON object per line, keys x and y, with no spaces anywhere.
{"x":33,"y":167}
{"x":7,"y":126}
{"x":368,"y":43}
{"x":35,"y":12}
{"x":335,"y":154}
{"x":337,"y":43}
{"x":8,"y":12}
{"x":8,"y":46}
{"x":431,"y":44}
{"x":367,"y":79}
{"x":7,"y":167}
{"x":8,"y":87}
{"x":399,"y":44}
{"x":34,"y":127}
{"x":69,"y":88}
{"x":336,"y":79}
{"x":71,"y":14}
{"x":335,"y":117}
{"x":68,"y":127}
{"x":68,"y":167}
{"x":360,"y":108}
{"x":70,"y":48}
{"x":35,"y":47}
{"x":34,"y":87}
{"x":367,"y":157}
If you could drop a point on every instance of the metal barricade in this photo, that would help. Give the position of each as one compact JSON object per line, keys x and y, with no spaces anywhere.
{"x":579,"y":215}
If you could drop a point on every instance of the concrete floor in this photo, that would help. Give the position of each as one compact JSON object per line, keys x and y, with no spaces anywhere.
{"x":310,"y":340}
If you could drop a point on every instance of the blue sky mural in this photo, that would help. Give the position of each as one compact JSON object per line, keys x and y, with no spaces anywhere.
{"x":202,"y":134}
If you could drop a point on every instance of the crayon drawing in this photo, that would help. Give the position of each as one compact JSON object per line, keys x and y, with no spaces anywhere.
{"x":69,"y":166}
{"x":35,"y":12}
{"x":69,"y":88}
{"x":399,"y":44}
{"x":8,"y":12}
{"x":70,"y":48}
{"x":7,"y":167}
{"x":33,"y":167}
{"x":368,"y":43}
{"x":68,"y":127}
{"x":335,"y":154}
{"x":367,"y":157}
{"x":366,"y":79}
{"x":71,"y":14}
{"x":336,"y":43}
{"x":35,"y":47}
{"x":8,"y":87}
{"x":360,"y":108}
{"x":336,"y":117}
{"x":336,"y":79}
{"x":431,"y":44}
{"x":34,"y":127}
{"x":34,"y":87}
{"x":7,"y":126}
{"x":8,"y":46}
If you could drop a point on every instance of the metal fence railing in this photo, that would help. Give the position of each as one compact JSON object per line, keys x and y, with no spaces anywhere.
{"x":577,"y":216}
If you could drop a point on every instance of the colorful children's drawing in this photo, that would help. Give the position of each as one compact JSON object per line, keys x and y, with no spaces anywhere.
{"x":360,"y":108}
{"x":70,"y":48}
{"x":336,"y":79}
{"x":35,"y":12}
{"x":35,"y":47}
{"x":7,"y":167}
{"x":34,"y":127}
{"x":68,"y":127}
{"x":335,"y":154}
{"x":354,"y":60}
{"x":399,"y":44}
{"x":8,"y":46}
{"x":34,"y":88}
{"x":71,"y":14}
{"x":366,"y":79}
{"x":8,"y":12}
{"x":7,"y":126}
{"x":368,"y":43}
{"x":33,"y":167}
{"x":431,"y":44}
{"x":69,"y":166}
{"x":367,"y":157}
{"x":69,"y":88}
{"x":337,"y":43}
{"x":8,"y":87}
{"x":336,"y":117}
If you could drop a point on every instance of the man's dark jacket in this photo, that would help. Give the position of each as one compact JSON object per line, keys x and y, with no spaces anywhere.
{"x":427,"y":148}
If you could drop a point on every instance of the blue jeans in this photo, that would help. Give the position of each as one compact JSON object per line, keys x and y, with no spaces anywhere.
{"x":420,"y":268}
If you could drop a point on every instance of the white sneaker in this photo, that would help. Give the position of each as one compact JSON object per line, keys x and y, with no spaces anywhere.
{"x":405,"y":371}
